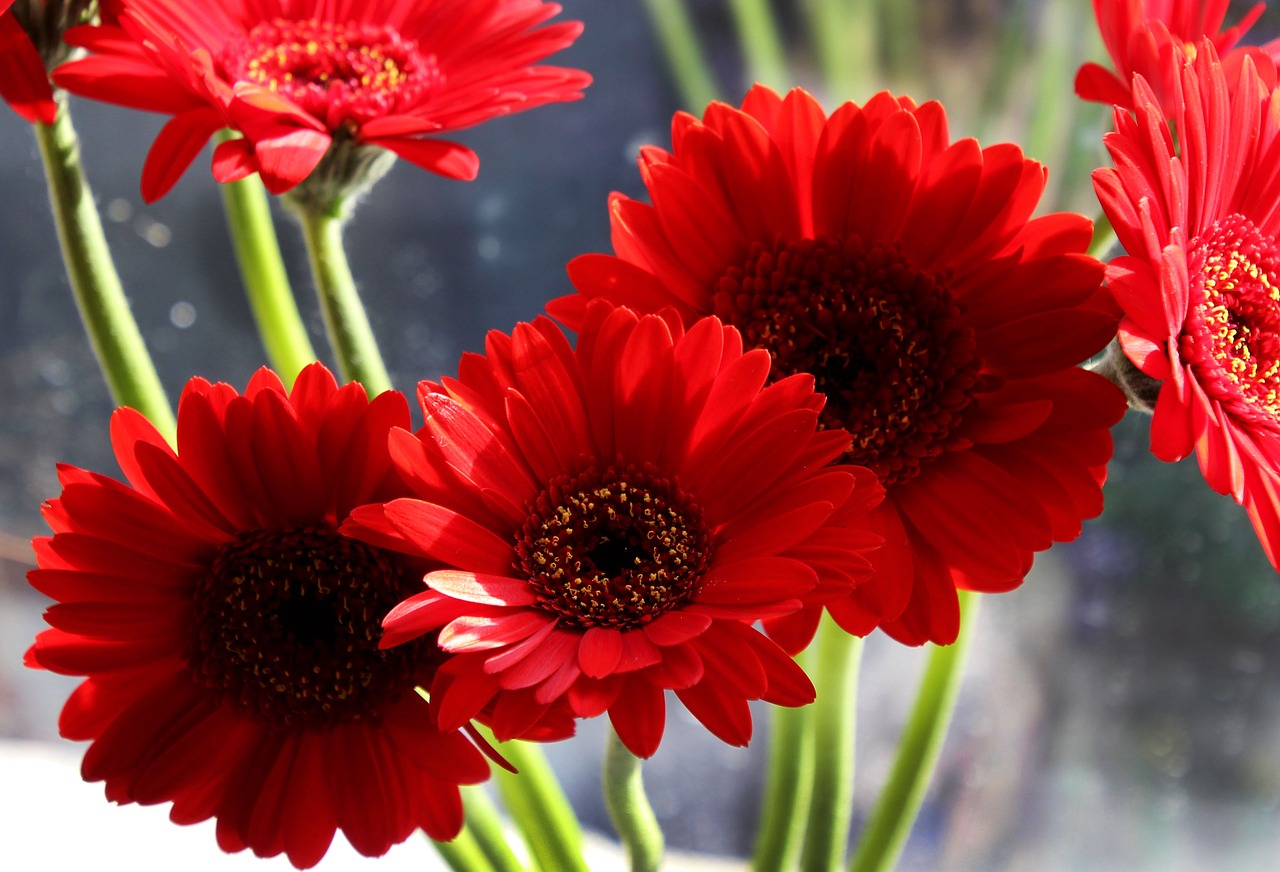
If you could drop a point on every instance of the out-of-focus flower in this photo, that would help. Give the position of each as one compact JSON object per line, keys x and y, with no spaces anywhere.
{"x":941,"y":320}
{"x":1150,"y":37}
{"x":1200,"y":283}
{"x":309,"y":80}
{"x":24,"y":80}
{"x":614,"y":519}
{"x":229,"y":633}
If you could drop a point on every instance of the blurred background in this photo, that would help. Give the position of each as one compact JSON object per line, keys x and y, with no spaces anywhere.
{"x":1121,"y":711}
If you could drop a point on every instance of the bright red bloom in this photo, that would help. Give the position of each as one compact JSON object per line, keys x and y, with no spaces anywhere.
{"x":296,"y":77}
{"x":1200,"y":285}
{"x":229,"y":633}
{"x":614,"y":520}
{"x":24,"y":82}
{"x":1149,"y":37}
{"x":942,"y":322}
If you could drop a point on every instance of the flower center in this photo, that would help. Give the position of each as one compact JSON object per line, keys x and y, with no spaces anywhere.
{"x":1235,"y":340}
{"x":287,"y":625}
{"x":881,"y":338}
{"x":612,"y":549}
{"x":340,"y":73}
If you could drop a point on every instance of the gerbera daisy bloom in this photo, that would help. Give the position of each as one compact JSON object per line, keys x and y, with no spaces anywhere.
{"x":613,"y":520}
{"x":24,"y":79}
{"x":1200,"y":282}
{"x":940,"y":319}
{"x":1149,"y":36}
{"x":302,"y":79}
{"x":229,"y":633}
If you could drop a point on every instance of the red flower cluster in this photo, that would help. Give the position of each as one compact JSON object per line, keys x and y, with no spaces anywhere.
{"x":942,"y":321}
{"x":229,"y":632}
{"x":1200,"y":284}
{"x":1151,"y":37}
{"x":295,"y":77}
{"x":24,"y":82}
{"x":611,"y":520}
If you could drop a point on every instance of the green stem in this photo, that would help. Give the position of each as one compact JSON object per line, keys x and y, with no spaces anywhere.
{"x":344,"y":315}
{"x":266,"y":284}
{"x":788,"y":784}
{"x":761,"y":46}
{"x":685,"y":59}
{"x":486,"y":827}
{"x":844,"y":36}
{"x":463,"y":853}
{"x":834,"y":721}
{"x":539,"y":809}
{"x":895,"y":810}
{"x":122,"y":355}
{"x":629,"y":808}
{"x":1104,"y":237}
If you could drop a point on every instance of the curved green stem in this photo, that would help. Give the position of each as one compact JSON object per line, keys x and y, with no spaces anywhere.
{"x":629,"y":808}
{"x":844,"y":36}
{"x":895,"y":810}
{"x":539,"y":808}
{"x":486,"y":827}
{"x":761,"y":46}
{"x":1104,"y":237}
{"x":266,"y":283}
{"x":463,"y":853}
{"x":834,"y":722}
{"x":685,"y":59}
{"x":122,"y":355}
{"x":344,"y":315}
{"x":789,"y":781}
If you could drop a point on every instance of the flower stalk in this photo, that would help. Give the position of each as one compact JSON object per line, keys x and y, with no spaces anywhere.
{"x":788,"y":784}
{"x":685,"y":58}
{"x":345,"y":318}
{"x":895,"y":810}
{"x":629,"y":808}
{"x":539,"y":809}
{"x":266,"y":283}
{"x":122,"y":355}
{"x":834,"y":727}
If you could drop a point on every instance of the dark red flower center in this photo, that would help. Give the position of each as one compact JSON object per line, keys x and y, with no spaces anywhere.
{"x":340,"y":73}
{"x":881,"y":338}
{"x":612,"y":548}
{"x":1232,"y":334}
{"x":287,"y":623}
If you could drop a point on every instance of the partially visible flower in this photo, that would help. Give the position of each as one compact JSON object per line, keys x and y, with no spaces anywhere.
{"x":1200,"y":283}
{"x":24,"y":65}
{"x":229,"y":633}
{"x":309,"y":79}
{"x":942,"y":322}
{"x":614,"y":520}
{"x":1151,"y":37}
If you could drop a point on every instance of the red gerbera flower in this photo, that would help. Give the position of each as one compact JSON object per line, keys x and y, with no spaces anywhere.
{"x":1148,"y":37}
{"x":614,"y":520}
{"x":229,"y":633}
{"x":24,"y":81}
{"x":1200,"y":285}
{"x":942,"y":322}
{"x":295,"y":78}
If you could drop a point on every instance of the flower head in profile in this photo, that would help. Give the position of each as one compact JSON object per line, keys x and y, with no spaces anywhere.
{"x":1150,"y":37}
{"x":228,"y":633}
{"x":24,"y":76}
{"x":613,"y":520}
{"x":942,"y":322}
{"x":1200,"y":283}
{"x":308,"y":82}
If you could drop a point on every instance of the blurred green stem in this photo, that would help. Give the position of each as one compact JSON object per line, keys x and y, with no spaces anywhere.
{"x":834,"y":725}
{"x":685,"y":58}
{"x":345,"y":318}
{"x":122,"y":355}
{"x":539,"y":808}
{"x":899,"y":801}
{"x":788,"y":782}
{"x":629,"y":808}
{"x":844,"y":35}
{"x":486,"y":827}
{"x":758,"y":37}
{"x":266,"y":283}
{"x":463,"y":853}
